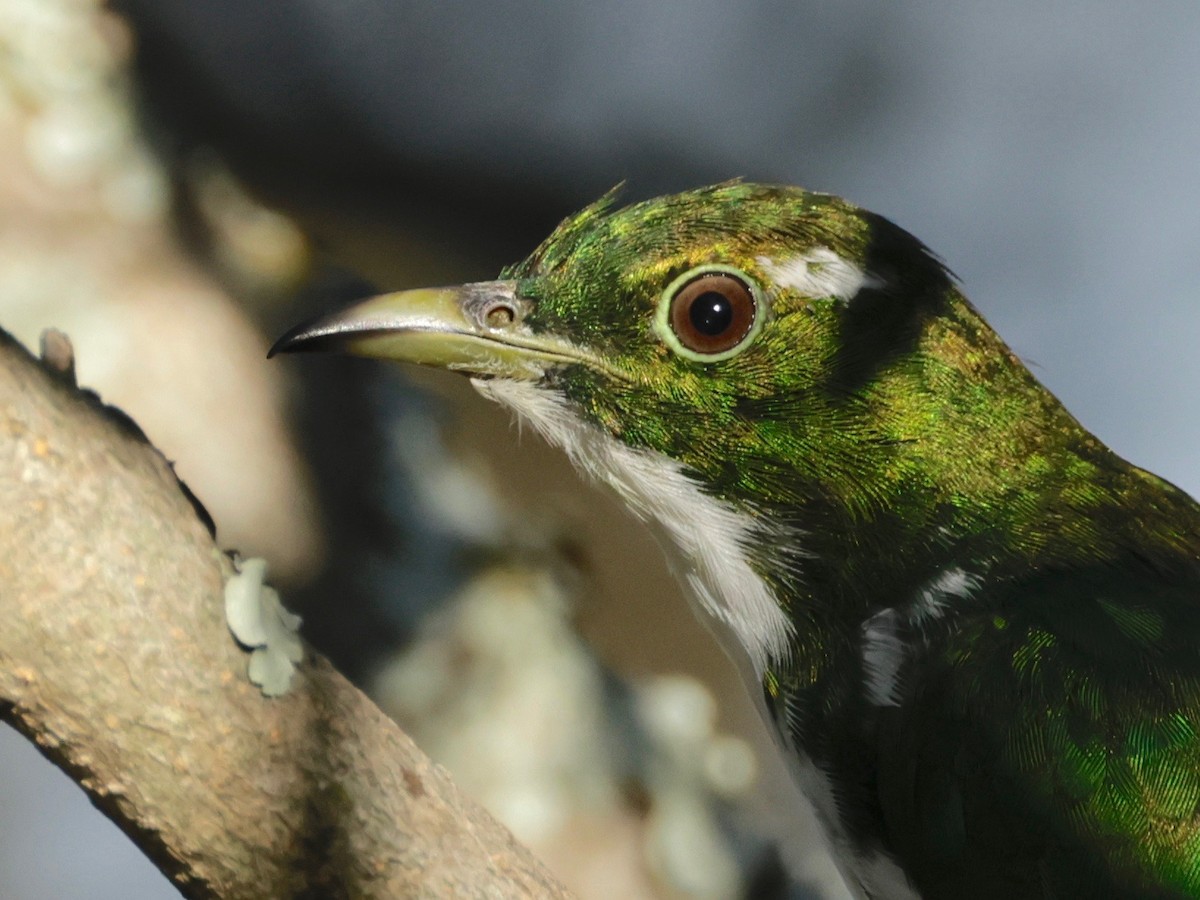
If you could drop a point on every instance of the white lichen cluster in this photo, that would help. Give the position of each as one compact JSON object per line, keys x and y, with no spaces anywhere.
{"x":257,"y":618}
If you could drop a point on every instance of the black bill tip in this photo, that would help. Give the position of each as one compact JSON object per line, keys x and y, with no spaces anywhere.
{"x":316,"y":334}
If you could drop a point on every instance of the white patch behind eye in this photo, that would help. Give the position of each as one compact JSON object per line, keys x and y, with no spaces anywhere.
{"x":710,"y":534}
{"x":819,"y":273}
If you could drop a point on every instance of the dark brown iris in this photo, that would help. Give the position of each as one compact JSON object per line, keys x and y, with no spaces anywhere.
{"x":712,"y":313}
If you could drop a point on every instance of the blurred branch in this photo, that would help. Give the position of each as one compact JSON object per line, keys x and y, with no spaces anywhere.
{"x":115,"y":659}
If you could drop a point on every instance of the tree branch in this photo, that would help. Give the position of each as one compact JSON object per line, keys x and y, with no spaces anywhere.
{"x":115,"y":658}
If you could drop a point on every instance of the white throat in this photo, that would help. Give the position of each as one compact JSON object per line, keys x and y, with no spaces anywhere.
{"x":710,"y":535}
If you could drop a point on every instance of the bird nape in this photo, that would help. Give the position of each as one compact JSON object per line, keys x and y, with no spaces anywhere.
{"x":977,"y":628}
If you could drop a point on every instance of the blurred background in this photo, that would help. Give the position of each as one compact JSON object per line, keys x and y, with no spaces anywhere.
{"x":180,"y":182}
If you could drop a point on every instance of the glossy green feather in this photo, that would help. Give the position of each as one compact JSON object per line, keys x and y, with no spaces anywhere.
{"x":1032,"y":728}
{"x":1046,"y":744}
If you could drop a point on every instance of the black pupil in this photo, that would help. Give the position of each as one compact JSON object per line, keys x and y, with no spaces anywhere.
{"x":711,"y":313}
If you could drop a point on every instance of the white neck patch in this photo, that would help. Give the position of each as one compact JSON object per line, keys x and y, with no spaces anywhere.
{"x":819,"y":273}
{"x":710,"y":534}
{"x":885,"y":635}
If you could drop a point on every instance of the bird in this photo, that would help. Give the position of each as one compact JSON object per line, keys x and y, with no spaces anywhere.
{"x":975,"y":628}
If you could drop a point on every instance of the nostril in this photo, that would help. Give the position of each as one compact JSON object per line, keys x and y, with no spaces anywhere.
{"x":500,"y":316}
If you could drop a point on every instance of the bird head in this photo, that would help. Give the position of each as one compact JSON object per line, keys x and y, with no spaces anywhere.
{"x":765,"y":372}
{"x":737,"y":329}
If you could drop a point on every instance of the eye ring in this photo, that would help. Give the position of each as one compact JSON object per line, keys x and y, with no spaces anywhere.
{"x":709,"y":313}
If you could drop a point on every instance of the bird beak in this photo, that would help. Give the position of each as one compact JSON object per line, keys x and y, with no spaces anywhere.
{"x":478,"y":329}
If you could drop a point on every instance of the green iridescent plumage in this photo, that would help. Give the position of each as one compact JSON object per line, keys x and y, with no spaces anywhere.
{"x":994,"y":656}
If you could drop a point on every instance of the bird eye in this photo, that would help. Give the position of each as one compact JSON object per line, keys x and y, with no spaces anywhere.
{"x":709,"y":313}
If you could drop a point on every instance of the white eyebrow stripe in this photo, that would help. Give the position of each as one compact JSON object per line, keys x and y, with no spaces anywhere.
{"x":819,"y":272}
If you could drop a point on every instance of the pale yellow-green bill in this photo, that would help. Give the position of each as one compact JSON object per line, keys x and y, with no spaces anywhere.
{"x":477,"y":328}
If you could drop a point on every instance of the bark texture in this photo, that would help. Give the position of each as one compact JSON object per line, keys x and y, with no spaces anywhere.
{"x":116,"y":660}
